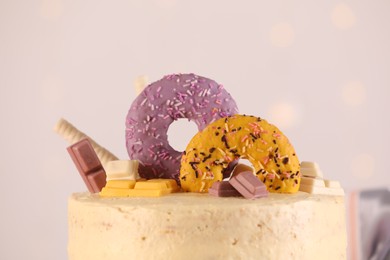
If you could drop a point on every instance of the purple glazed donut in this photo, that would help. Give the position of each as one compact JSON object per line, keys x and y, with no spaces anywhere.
{"x":200,"y":100}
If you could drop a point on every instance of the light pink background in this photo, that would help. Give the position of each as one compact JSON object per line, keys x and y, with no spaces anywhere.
{"x":320,"y":70}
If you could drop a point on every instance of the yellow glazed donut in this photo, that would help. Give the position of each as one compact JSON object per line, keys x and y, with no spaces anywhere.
{"x":240,"y":136}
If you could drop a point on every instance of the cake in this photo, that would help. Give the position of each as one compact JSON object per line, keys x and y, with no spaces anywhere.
{"x":198,"y":226}
{"x":201,"y":203}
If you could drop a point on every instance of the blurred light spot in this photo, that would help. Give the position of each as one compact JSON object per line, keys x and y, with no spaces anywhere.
{"x":282,"y":35}
{"x":283,"y":115}
{"x":51,"y":9}
{"x":363,"y":166}
{"x":52,"y":90}
{"x":354,"y":93}
{"x":343,"y":17}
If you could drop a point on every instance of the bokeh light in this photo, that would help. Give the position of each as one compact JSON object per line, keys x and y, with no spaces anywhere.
{"x":354,"y":93}
{"x":363,"y":166}
{"x":282,"y":35}
{"x":51,"y":9}
{"x":343,"y":17}
{"x":284,"y":115}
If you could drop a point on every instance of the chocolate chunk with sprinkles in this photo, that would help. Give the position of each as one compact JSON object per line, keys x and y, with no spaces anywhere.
{"x":274,"y":141}
{"x":212,"y":149}
{"x":285,"y":160}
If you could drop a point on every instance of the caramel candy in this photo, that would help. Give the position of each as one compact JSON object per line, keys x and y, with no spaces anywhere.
{"x":223,"y":189}
{"x":88,"y":165}
{"x":249,"y":185}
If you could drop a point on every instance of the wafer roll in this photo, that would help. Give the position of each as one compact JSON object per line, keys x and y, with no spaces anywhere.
{"x":140,"y":83}
{"x":73,"y":135}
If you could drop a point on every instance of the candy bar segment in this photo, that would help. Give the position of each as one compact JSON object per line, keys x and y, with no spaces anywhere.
{"x":140,"y":188}
{"x":249,"y":185}
{"x":311,"y":169}
{"x":88,"y":165}
{"x":121,"y":184}
{"x":313,"y":182}
{"x":73,"y":135}
{"x":223,"y":189}
{"x":122,"y":170}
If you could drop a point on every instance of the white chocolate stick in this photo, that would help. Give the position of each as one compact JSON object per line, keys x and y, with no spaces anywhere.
{"x":140,"y":83}
{"x":73,"y":135}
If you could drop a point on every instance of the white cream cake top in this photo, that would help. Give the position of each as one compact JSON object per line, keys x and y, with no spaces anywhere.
{"x":199,"y":226}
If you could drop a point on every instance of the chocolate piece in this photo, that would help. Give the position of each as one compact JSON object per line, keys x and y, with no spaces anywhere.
{"x":223,"y":189}
{"x":249,"y":185}
{"x":88,"y":165}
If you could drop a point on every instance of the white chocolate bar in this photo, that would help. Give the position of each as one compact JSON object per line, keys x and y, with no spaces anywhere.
{"x":122,"y":170}
{"x":241,"y":168}
{"x":309,"y":165}
{"x":321,"y":190}
{"x":312,"y":181}
{"x":311,"y":169}
{"x":332,"y":184}
{"x":73,"y":135}
{"x":140,"y":83}
{"x":311,"y":172}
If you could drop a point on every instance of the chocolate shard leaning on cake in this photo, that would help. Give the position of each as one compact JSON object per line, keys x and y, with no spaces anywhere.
{"x":201,"y":203}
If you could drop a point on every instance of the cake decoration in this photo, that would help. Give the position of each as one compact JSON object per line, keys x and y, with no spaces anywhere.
{"x":311,"y":169}
{"x":122,"y":170}
{"x":136,"y":218}
{"x":312,"y":181}
{"x":73,"y":135}
{"x":248,"y":185}
{"x":140,"y":83}
{"x":141,"y":188}
{"x":246,"y":137}
{"x":199,"y":99}
{"x":223,"y":189}
{"x":88,"y":165}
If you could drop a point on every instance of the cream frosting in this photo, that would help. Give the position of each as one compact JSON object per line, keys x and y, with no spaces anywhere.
{"x":199,"y":226}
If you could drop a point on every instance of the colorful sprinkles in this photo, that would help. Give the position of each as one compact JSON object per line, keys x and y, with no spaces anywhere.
{"x":243,"y":137}
{"x":175,"y":96}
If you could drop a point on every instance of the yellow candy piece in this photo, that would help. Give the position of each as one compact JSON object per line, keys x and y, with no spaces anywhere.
{"x":121,"y":184}
{"x":114,"y":192}
{"x":142,"y":188}
{"x":147,"y":193}
{"x":247,"y":137}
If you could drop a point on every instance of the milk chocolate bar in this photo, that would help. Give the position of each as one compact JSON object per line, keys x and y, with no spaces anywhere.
{"x":223,"y":189}
{"x":73,"y":135}
{"x":88,"y":165}
{"x":248,"y":185}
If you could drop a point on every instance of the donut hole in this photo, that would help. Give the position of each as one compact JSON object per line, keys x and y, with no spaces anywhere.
{"x":236,"y":167}
{"x":180,"y":132}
